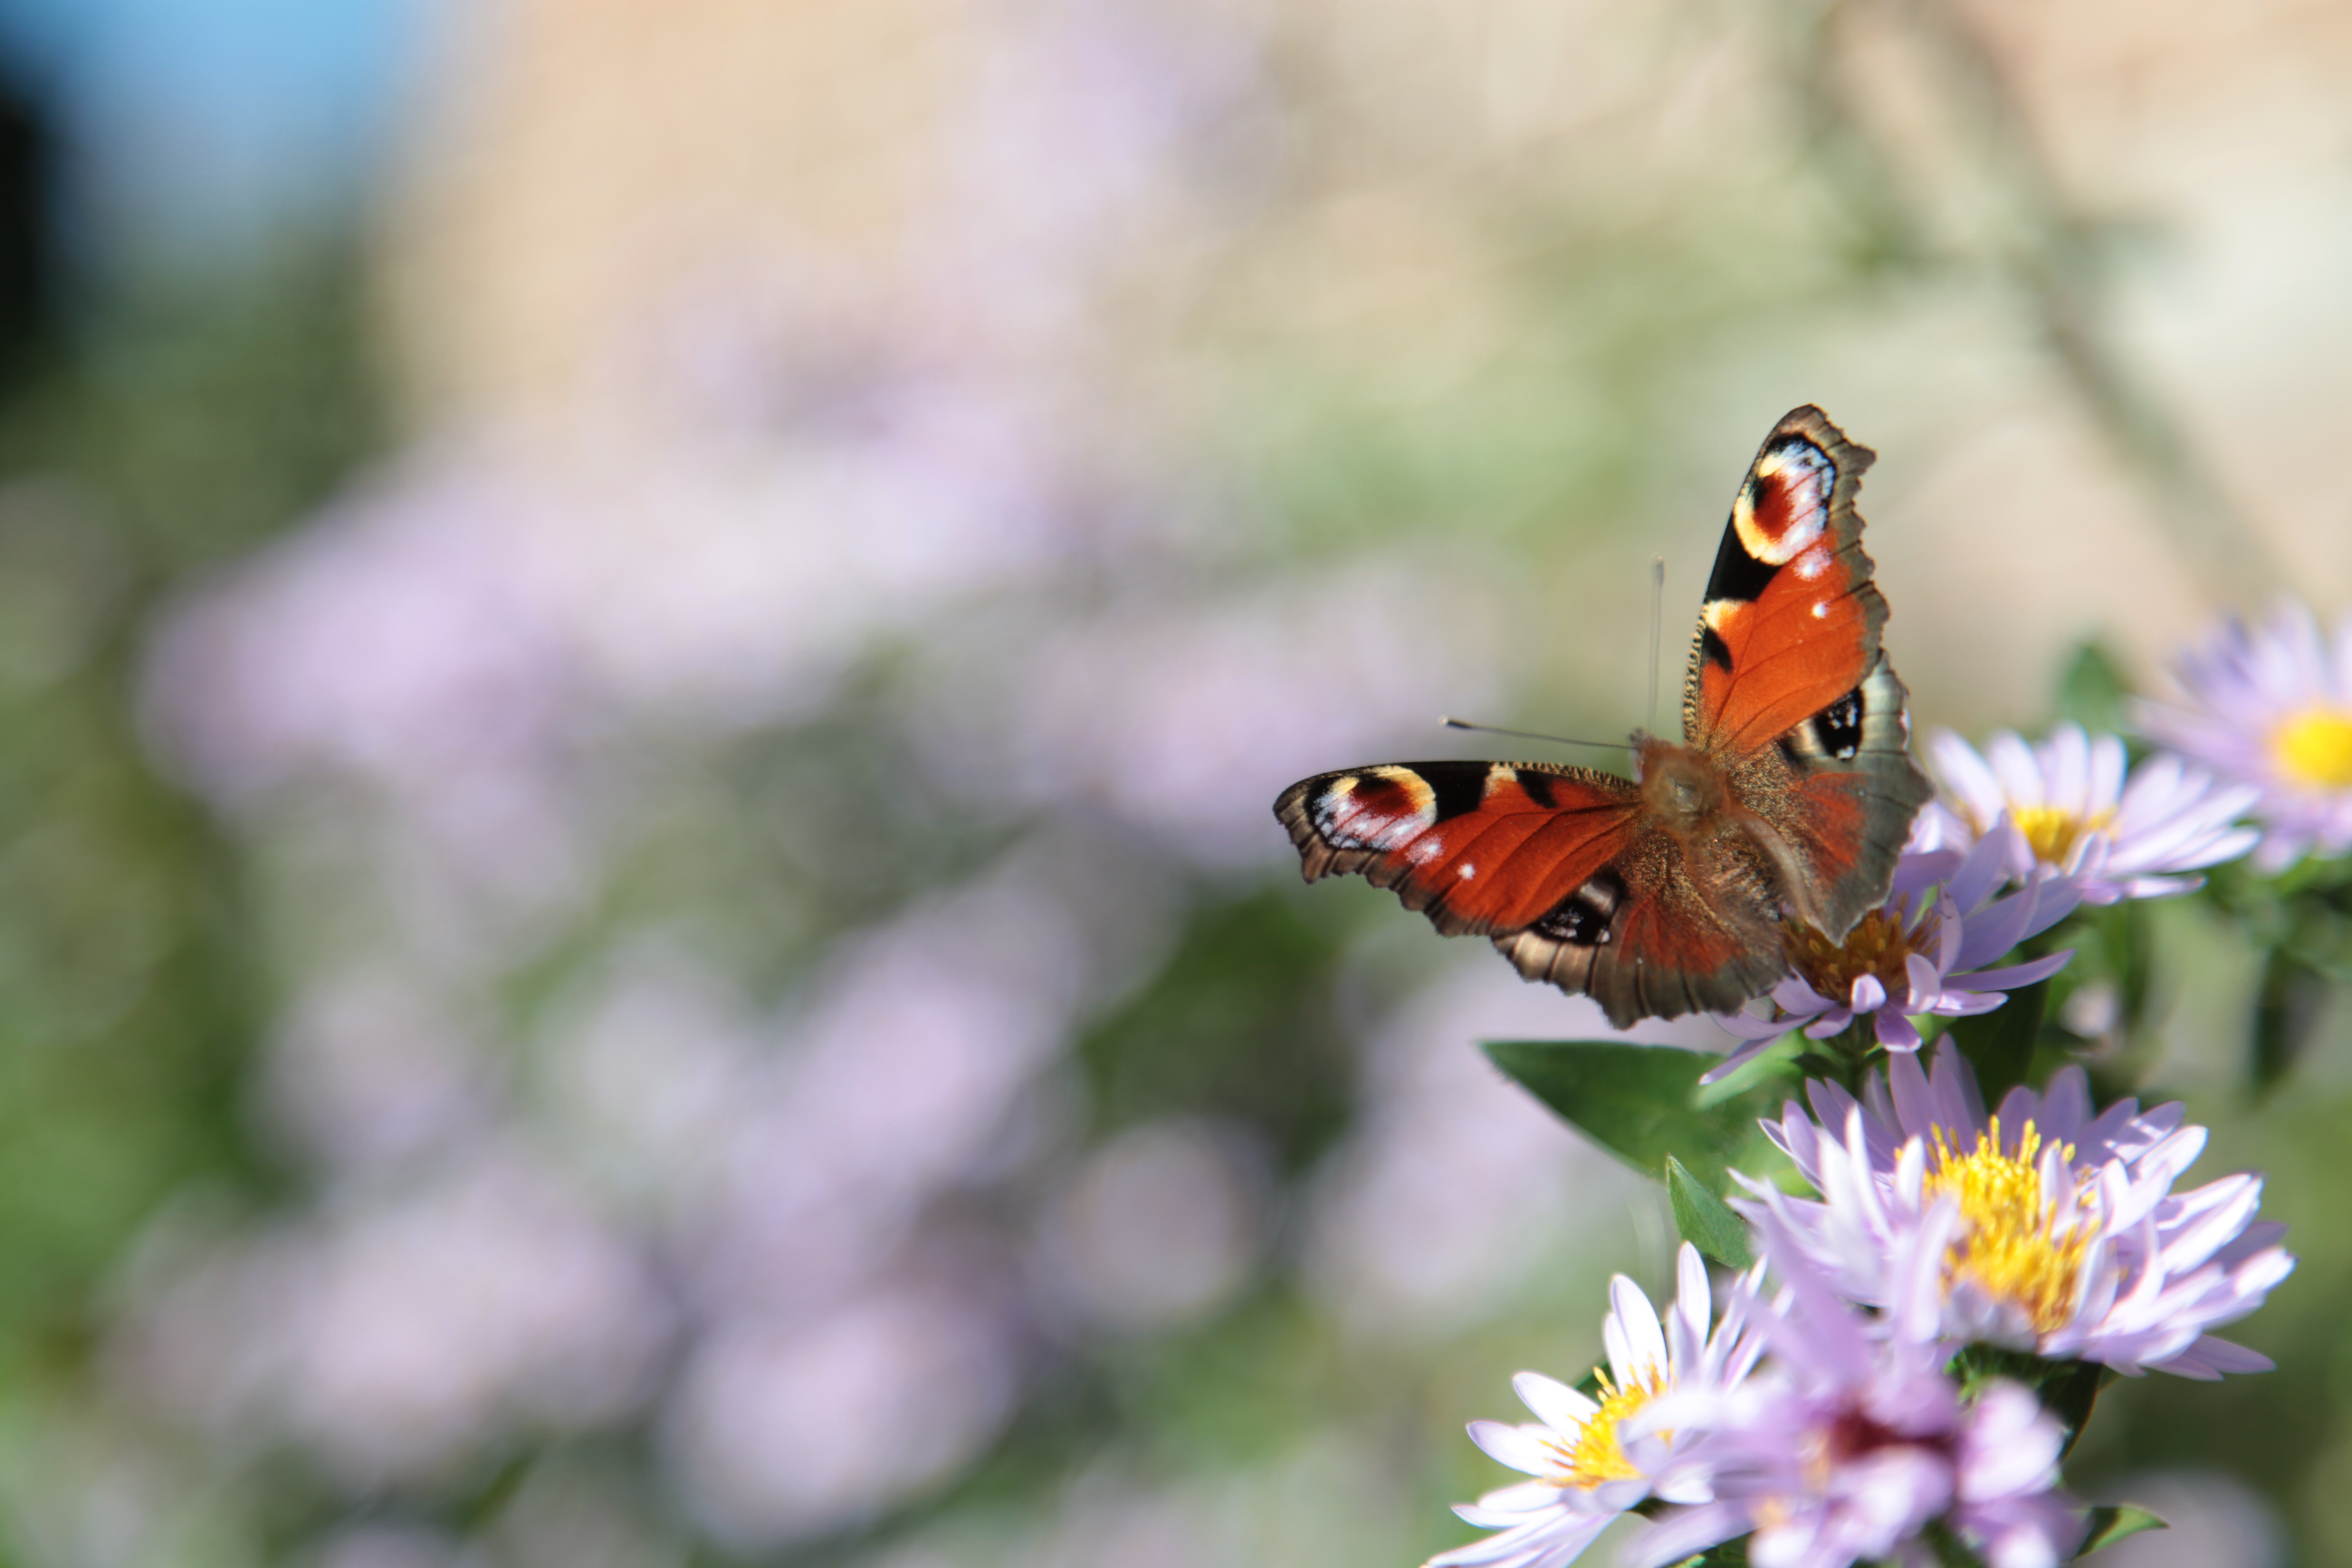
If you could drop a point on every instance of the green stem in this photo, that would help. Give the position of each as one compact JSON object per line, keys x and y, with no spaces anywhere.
{"x":1852,"y":1046}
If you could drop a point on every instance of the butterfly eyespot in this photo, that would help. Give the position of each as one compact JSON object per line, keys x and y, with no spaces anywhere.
{"x":1784,"y":506}
{"x":1837,"y":729}
{"x":1576,"y":923}
{"x":1385,"y":808}
{"x":1582,"y":919}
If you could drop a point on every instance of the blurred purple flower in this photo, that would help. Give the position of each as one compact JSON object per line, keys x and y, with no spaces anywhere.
{"x":486,"y":609}
{"x":1588,"y":1470}
{"x":2063,"y":1235}
{"x":2270,"y":707}
{"x":1853,"y":1440}
{"x":2078,"y":817}
{"x":1921,"y":952}
{"x":370,"y":1072}
{"x":783,"y":1428}
{"x":1158,"y":1229}
{"x":397,"y":1336}
{"x":897,"y":1082}
{"x":1419,"y":1223}
{"x":452,"y":680}
{"x":641,"y":1076}
{"x":375,"y":1544}
{"x":1184,"y":715}
{"x":1109,"y":1512}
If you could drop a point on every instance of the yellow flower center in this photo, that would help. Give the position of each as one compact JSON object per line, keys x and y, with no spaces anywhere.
{"x":2012,"y":1244}
{"x":1878,"y":944}
{"x":2315,"y":747}
{"x":1595,"y":1457}
{"x":2054,"y":832}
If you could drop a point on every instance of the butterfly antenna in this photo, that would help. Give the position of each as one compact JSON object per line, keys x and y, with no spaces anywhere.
{"x":1533,"y":735}
{"x":1657,"y":630}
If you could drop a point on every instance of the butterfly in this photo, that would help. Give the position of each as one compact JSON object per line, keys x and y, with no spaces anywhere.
{"x":1789,"y":797}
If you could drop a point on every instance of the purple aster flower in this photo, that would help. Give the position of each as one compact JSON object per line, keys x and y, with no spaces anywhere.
{"x":1586,"y":1473}
{"x":2270,"y":707}
{"x":2078,"y":815}
{"x":1853,"y":1440}
{"x":1923,"y":951}
{"x":2066,"y":1238}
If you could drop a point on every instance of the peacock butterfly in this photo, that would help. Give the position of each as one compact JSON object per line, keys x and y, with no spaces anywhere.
{"x":1789,"y":799}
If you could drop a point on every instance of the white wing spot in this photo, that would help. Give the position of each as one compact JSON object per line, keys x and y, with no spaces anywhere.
{"x":1821,"y":609}
{"x":1467,"y":871}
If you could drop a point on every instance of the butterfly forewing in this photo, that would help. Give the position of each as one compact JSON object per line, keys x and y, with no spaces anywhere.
{"x":1479,"y":847}
{"x":1792,"y":619}
{"x":1787,"y":687}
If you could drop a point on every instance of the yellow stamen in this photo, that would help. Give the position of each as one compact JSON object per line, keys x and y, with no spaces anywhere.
{"x":1595,"y":1457}
{"x":2012,"y":1244}
{"x":1878,"y":944}
{"x":2315,"y":747}
{"x":2054,"y":832}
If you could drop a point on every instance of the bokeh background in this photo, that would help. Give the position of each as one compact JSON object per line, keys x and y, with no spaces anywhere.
{"x":643,"y":649}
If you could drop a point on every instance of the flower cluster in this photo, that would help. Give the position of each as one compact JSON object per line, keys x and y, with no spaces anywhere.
{"x":2053,"y":1230}
{"x":1825,"y":1420}
{"x":2024,"y":834}
{"x":1898,"y":1378}
{"x":1855,"y":1440}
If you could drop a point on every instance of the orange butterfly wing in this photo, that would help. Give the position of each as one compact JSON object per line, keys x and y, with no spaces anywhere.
{"x":1561,"y":865}
{"x":1796,"y":744}
{"x":1789,"y":690}
{"x":1479,"y":847}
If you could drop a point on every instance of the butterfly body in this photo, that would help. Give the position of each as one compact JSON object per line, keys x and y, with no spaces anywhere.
{"x":1788,"y":798}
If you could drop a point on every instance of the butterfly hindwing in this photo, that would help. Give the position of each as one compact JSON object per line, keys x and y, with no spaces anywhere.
{"x":1842,"y":789}
{"x":1646,"y":939}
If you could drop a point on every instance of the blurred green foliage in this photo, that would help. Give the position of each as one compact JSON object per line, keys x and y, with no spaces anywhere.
{"x":157,"y":439}
{"x":1241,"y":1022}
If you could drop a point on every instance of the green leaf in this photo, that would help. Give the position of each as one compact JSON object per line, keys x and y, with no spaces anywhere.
{"x":1732,"y":1553}
{"x":1643,"y":1104}
{"x":1705,"y":1220}
{"x":2070,"y":1395}
{"x":2093,"y":692}
{"x":2287,"y":1010}
{"x":2067,"y":1389}
{"x":2111,"y":1522}
{"x":1999,"y":1044}
{"x":2135,"y":948}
